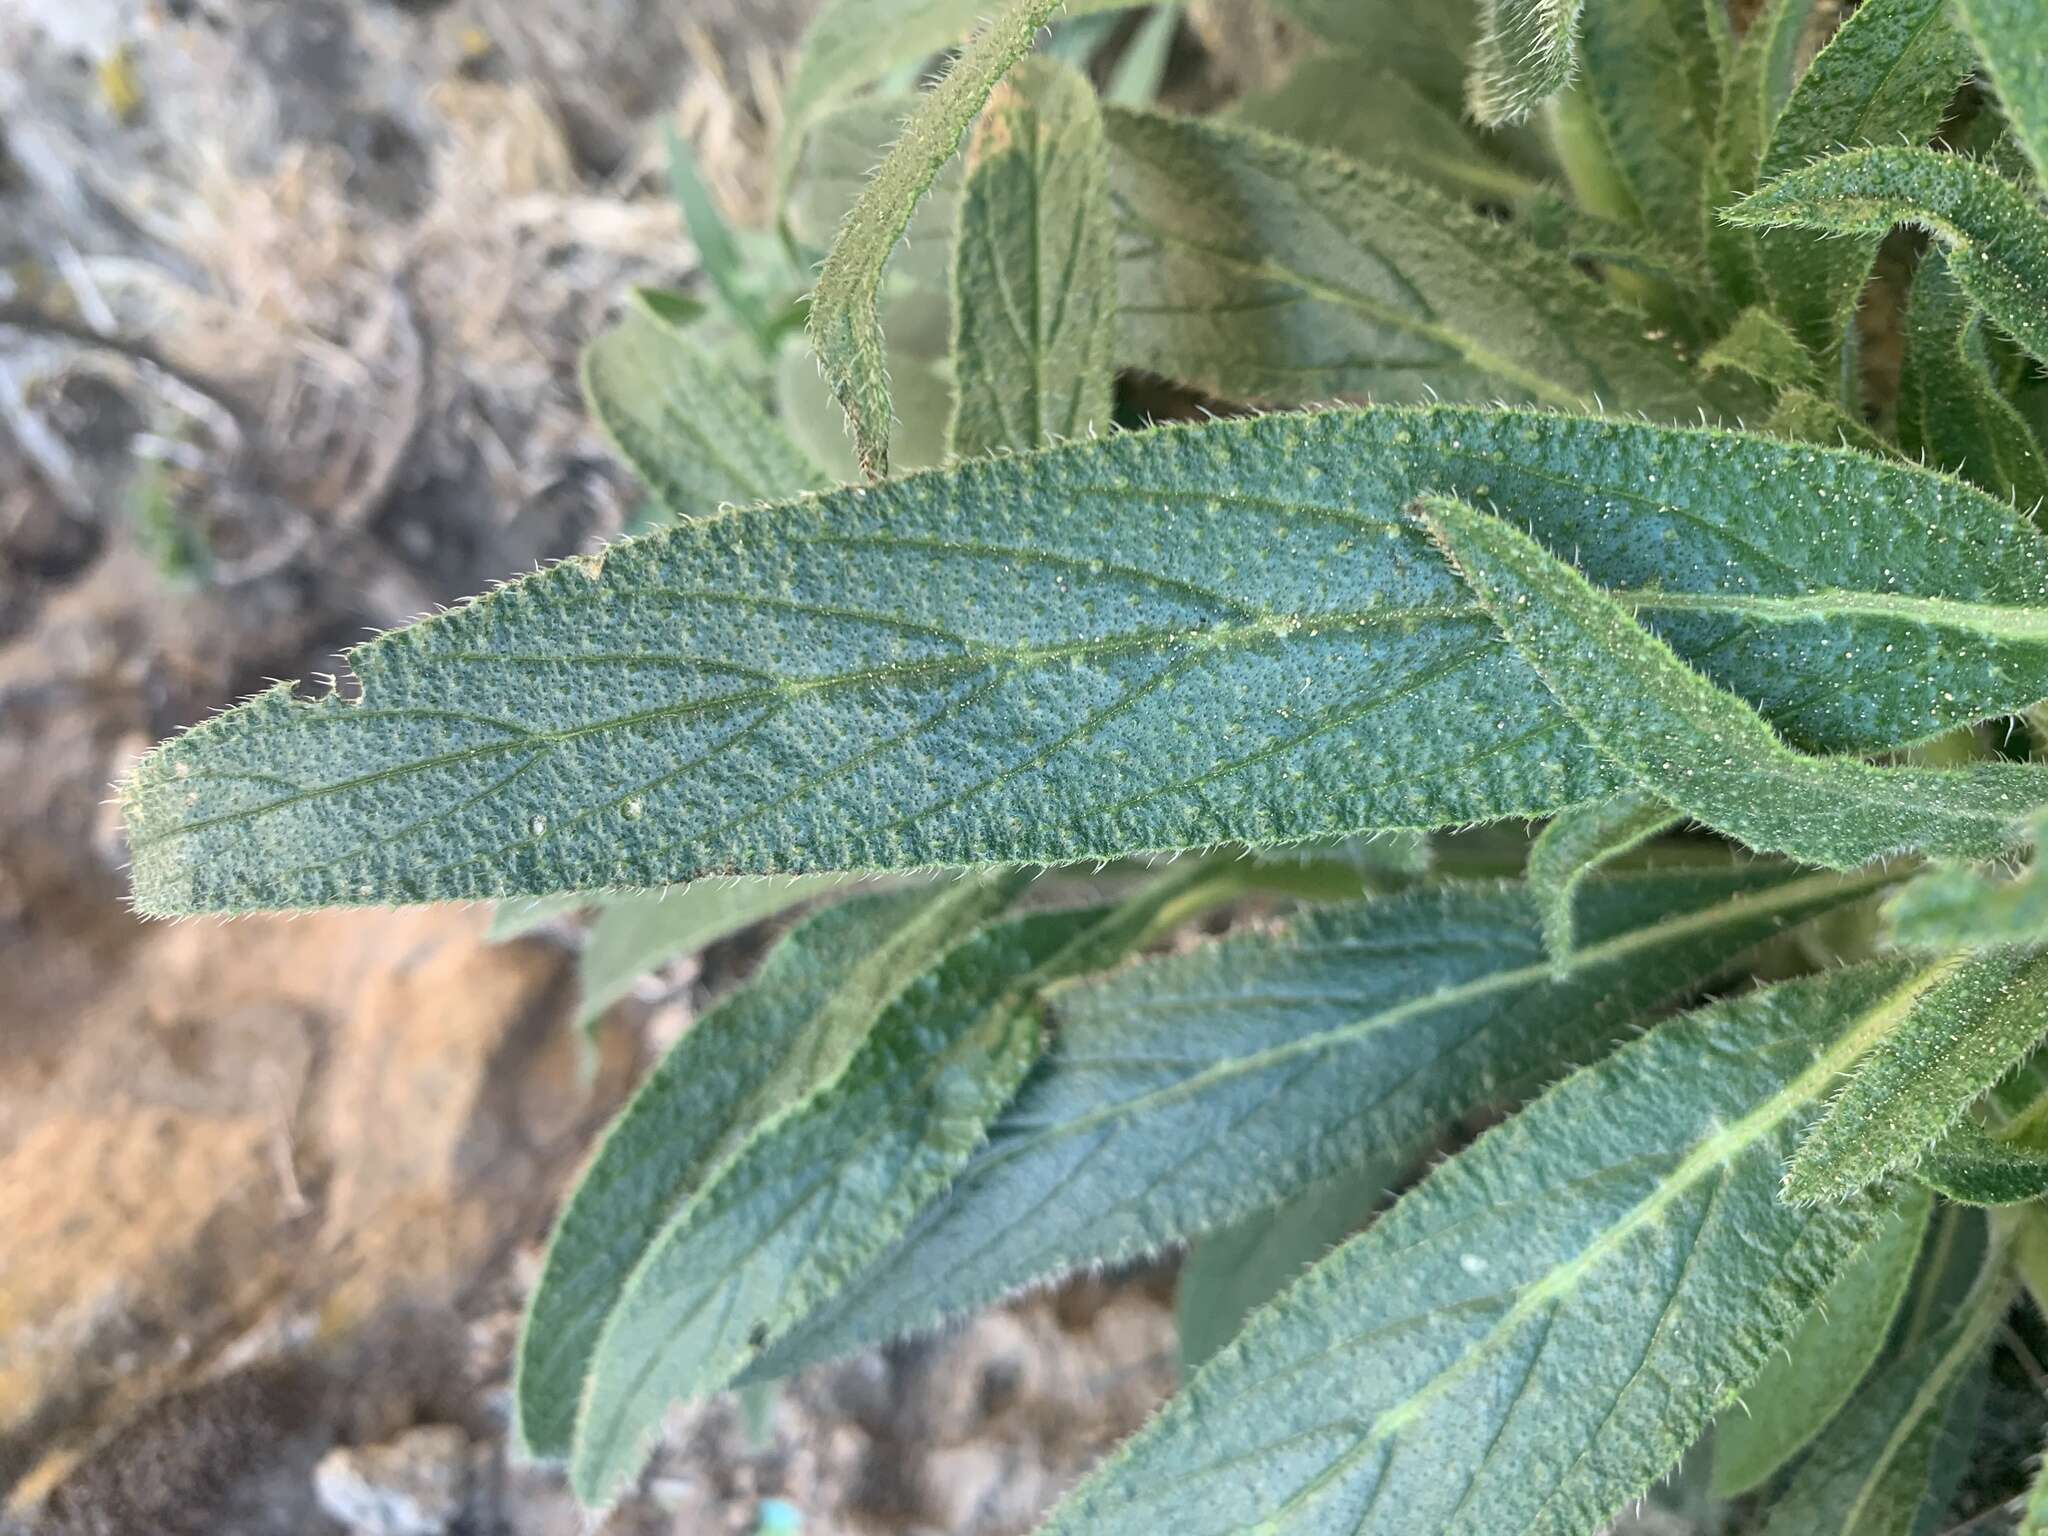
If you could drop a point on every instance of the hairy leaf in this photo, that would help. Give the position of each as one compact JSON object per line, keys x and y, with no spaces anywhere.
{"x":1984,"y":1015}
{"x":635,"y":934}
{"x":1760,"y":345}
{"x":1891,"y":1462}
{"x":1951,"y":414}
{"x":1885,"y":77}
{"x":1702,"y":748}
{"x":852,"y":43}
{"x":1257,"y":268}
{"x":1034,"y":284}
{"x":1528,"y":51}
{"x":1996,"y":238}
{"x":1227,"y":633}
{"x":2034,"y":1515}
{"x":1805,"y":417}
{"x":811,"y":1198}
{"x":1231,"y":1273}
{"x":1971,"y":1165}
{"x":514,"y":919}
{"x":1190,"y":1092}
{"x":2007,"y":35}
{"x":1363,"y":110}
{"x":917,"y":325}
{"x":769,"y":1048}
{"x":1954,"y":905}
{"x":845,"y":326}
{"x":1759,"y":82}
{"x":1538,"y":1329}
{"x":684,"y":422}
{"x":1427,"y":44}
{"x":1576,"y":843}
{"x":1801,"y":1390}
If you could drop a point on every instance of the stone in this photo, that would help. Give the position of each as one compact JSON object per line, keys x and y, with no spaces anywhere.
{"x":416,"y":1485}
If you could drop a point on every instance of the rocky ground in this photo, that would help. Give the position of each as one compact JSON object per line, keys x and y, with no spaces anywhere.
{"x":290,"y":298}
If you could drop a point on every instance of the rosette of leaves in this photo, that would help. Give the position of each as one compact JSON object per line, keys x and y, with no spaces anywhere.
{"x":1302,"y":491}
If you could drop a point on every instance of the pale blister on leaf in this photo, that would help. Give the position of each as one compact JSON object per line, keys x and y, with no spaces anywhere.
{"x":1256,"y":268}
{"x":1528,"y":51}
{"x":1885,"y":77}
{"x":685,"y":422}
{"x":1034,"y":283}
{"x":1801,"y":1390}
{"x":1189,"y":1092}
{"x":845,"y":326}
{"x":1892,"y":1460}
{"x":811,"y":1197}
{"x":1169,"y":639}
{"x":1984,"y":1016}
{"x":1994,"y":233}
{"x":1703,"y":749}
{"x":1537,"y":1330}
{"x":765,"y":1050}
{"x":1576,"y":843}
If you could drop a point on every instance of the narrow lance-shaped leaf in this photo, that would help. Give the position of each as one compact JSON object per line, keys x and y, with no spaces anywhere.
{"x":1951,"y":414}
{"x":1034,"y":285}
{"x":635,"y":934}
{"x":832,"y":171}
{"x":1995,"y":236}
{"x":1256,"y":268}
{"x":1528,"y":51}
{"x":684,"y":422}
{"x":1987,"y":1012}
{"x":1538,"y":1329}
{"x":809,"y":1201}
{"x":1974,"y":1167}
{"x":2007,"y":35}
{"x":845,"y":327}
{"x":1759,"y":81}
{"x":770,"y":1047}
{"x":1885,"y":77}
{"x":1190,"y":1092}
{"x":1576,"y":843}
{"x":1955,"y":905}
{"x":1891,"y":1462}
{"x":1805,"y":417}
{"x":1760,"y":345}
{"x":1230,"y":1273}
{"x":1801,"y":1390}
{"x":1177,"y":638}
{"x":1702,"y":748}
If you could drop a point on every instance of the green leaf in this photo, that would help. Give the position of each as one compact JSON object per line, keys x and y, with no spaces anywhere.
{"x":514,"y":919}
{"x":685,"y":423}
{"x":1255,"y":268}
{"x":2007,"y":35}
{"x":1702,"y":748}
{"x":1983,"y":1017}
{"x":636,"y":934}
{"x":845,"y":325}
{"x":1364,"y":111}
{"x":1954,"y":905}
{"x":838,"y":157}
{"x":853,"y":43}
{"x":1972,"y":1166}
{"x":1169,"y":639}
{"x":1951,"y":414}
{"x":918,"y":326}
{"x":1539,"y":1328}
{"x":1800,"y":1391}
{"x":1232,"y":1272}
{"x":1760,"y":345}
{"x":1995,"y":237}
{"x":1885,"y":77}
{"x":1528,"y":51}
{"x":1805,"y":417}
{"x":718,"y":251}
{"x":2034,"y":1517}
{"x":1187,"y":1093}
{"x":1759,"y":82}
{"x":770,"y":1047}
{"x":1427,"y":44}
{"x":1140,"y":72}
{"x":810,"y":1201}
{"x":1576,"y":843}
{"x":1891,"y":1462}
{"x":1034,"y":284}
{"x":1651,"y":94}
